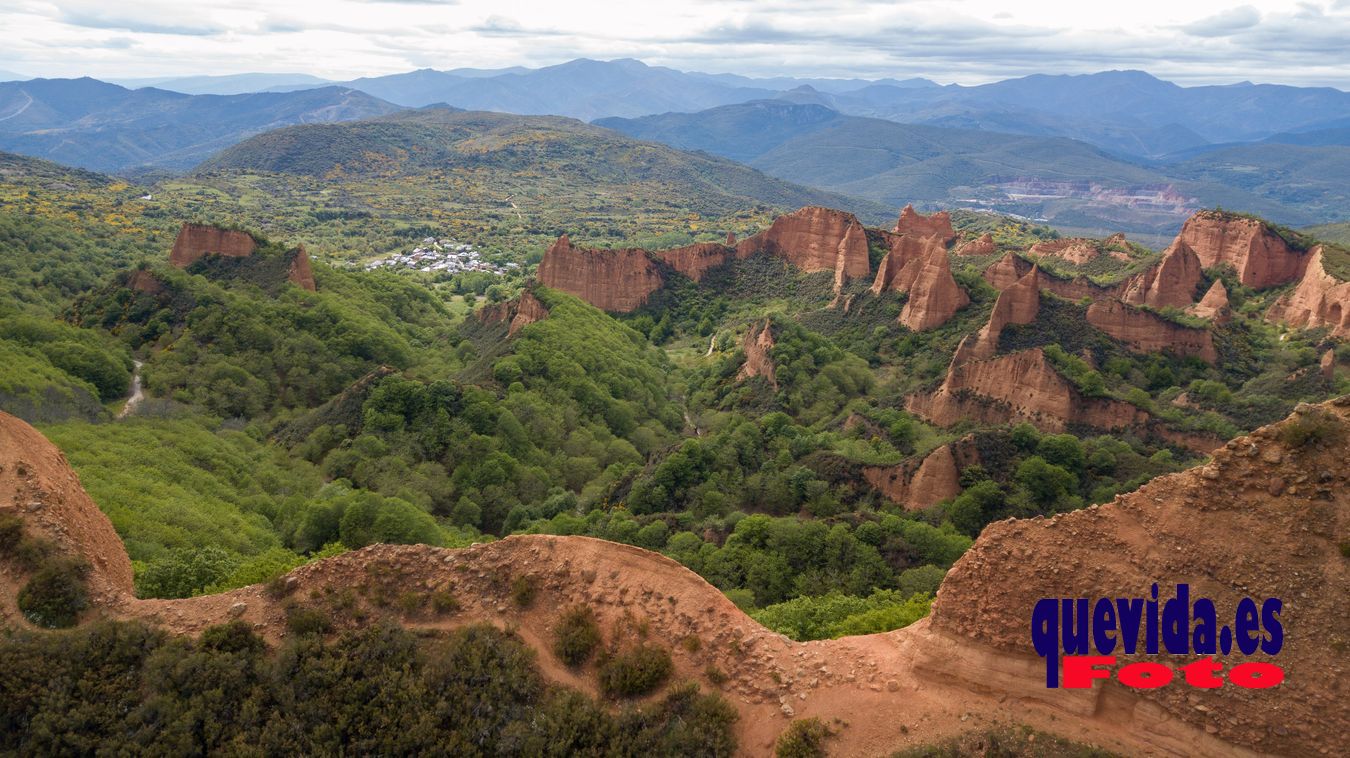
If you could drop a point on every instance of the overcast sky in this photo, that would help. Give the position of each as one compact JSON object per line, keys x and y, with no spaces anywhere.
{"x":967,"y":41}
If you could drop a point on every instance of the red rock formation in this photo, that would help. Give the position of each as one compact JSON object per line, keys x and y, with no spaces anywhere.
{"x":299,"y":273}
{"x":899,"y":267}
{"x":196,"y":241}
{"x":528,"y":310}
{"x":611,"y":280}
{"x":1214,"y":305}
{"x":1021,"y":386}
{"x":938,"y":225}
{"x":983,"y":245}
{"x":731,"y":239}
{"x":815,"y":239}
{"x":142,"y":280}
{"x":1319,"y":300}
{"x":1017,"y":304}
{"x":1004,"y":272}
{"x":1328,"y":366}
{"x":758,"y":346}
{"x":1262,"y":258}
{"x":695,"y":260}
{"x":1170,"y":283}
{"x":920,"y":484}
{"x":1147,"y":332}
{"x":934,"y":295}
{"x":1076,"y":250}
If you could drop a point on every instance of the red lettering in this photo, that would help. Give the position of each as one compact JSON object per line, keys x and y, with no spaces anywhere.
{"x":1202,"y":673}
{"x":1145,"y":675}
{"x":1253,"y":675}
{"x":1079,"y":670}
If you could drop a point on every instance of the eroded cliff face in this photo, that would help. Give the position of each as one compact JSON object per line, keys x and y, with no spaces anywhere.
{"x":934,"y":295}
{"x":758,"y":346}
{"x":899,"y":267}
{"x":1017,"y":304}
{"x":1021,"y":386}
{"x":919,"y":484}
{"x":915,"y":224}
{"x":1264,"y":519}
{"x":1262,"y":258}
{"x":299,"y":273}
{"x":1146,"y":332}
{"x":1071,"y":249}
{"x":696,"y":260}
{"x":1214,"y":305}
{"x":195,"y":241}
{"x":815,"y":239}
{"x":612,"y":280}
{"x":1004,"y":272}
{"x":982,"y":245}
{"x":1319,"y":300}
{"x":517,"y":313}
{"x":1170,"y":283}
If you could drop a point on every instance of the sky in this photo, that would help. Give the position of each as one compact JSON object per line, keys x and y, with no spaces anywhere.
{"x":966,"y":41}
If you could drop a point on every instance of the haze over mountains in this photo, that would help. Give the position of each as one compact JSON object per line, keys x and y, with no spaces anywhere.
{"x":1118,"y":149}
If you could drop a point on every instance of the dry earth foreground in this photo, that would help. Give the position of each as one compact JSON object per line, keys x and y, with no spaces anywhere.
{"x":1269,"y":516}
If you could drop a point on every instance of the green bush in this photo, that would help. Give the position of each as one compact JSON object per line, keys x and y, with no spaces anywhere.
{"x":524,"y":589}
{"x":56,"y":595}
{"x":803,"y":738}
{"x":303,"y":620}
{"x":577,"y":636}
{"x":1314,"y":426}
{"x":635,"y":671}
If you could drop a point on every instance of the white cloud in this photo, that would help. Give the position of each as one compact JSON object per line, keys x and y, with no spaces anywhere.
{"x":971,"y":41}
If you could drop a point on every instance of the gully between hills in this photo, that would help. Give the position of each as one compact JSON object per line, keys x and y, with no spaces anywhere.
{"x":1269,"y":516}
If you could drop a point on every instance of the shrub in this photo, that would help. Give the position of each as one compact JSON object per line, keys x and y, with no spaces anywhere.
{"x":636,"y":671}
{"x":1313,"y":426}
{"x":715,"y":675}
{"x":577,"y":636}
{"x":303,"y":620}
{"x":11,"y":533}
{"x":444,"y":603}
{"x":523,"y":590}
{"x":804,"y":738}
{"x":56,"y":595}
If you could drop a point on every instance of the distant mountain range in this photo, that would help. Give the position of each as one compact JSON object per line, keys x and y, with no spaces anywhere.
{"x":230,"y":84}
{"x":1060,"y":179}
{"x":104,"y":127}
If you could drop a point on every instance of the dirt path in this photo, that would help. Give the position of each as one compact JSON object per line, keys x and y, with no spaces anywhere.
{"x":136,"y":394}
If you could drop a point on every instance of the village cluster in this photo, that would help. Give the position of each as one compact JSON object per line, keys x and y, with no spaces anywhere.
{"x":434,"y":255}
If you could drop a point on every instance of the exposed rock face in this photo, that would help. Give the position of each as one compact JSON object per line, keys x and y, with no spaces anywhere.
{"x":1214,"y":305}
{"x":1020,"y":386}
{"x":983,"y":245}
{"x":900,"y":266}
{"x":519,"y":313}
{"x":1261,"y":257}
{"x":142,"y":280}
{"x":731,"y":239}
{"x":1004,"y":272}
{"x":611,"y":280}
{"x":1147,"y":332}
{"x":1319,"y":300}
{"x":1018,"y":304}
{"x":196,"y":241}
{"x":758,"y":346}
{"x":920,"y":484}
{"x":1239,"y":539}
{"x":815,"y":239}
{"x":1328,"y":365}
{"x":938,"y":225}
{"x":299,"y":273}
{"x":934,"y":295}
{"x":1072,"y":249}
{"x":1171,"y":283}
{"x":695,"y":260}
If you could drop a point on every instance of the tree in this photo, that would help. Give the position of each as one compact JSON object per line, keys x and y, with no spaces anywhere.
{"x":1045,"y":482}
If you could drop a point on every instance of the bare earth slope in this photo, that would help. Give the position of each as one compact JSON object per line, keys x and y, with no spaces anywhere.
{"x":1264,"y":519}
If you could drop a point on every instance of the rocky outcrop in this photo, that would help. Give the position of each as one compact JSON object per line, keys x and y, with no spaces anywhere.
{"x":612,"y":280}
{"x":1262,"y":258}
{"x":934,"y":295}
{"x":815,"y":239}
{"x":695,"y":260}
{"x":1263,"y":519}
{"x":518,"y":313}
{"x":299,"y":273}
{"x":143,"y":280}
{"x":1076,"y":250}
{"x":1214,"y":305}
{"x":1021,"y":386}
{"x":1319,"y":300}
{"x":1004,"y":272}
{"x":196,"y":241}
{"x":758,"y":347}
{"x":920,"y":484}
{"x":1170,"y":283}
{"x":915,"y":224}
{"x":982,"y":245}
{"x":1327,"y":366}
{"x":900,"y":266}
{"x":1147,"y":332}
{"x":1017,"y":304}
